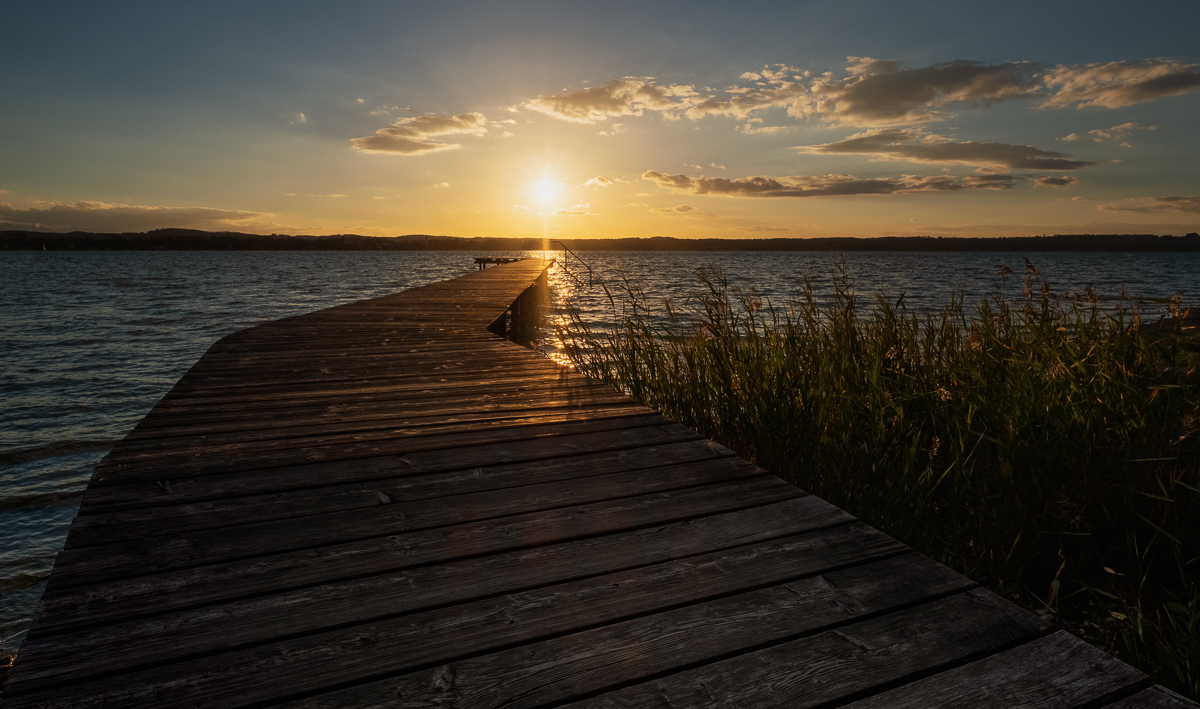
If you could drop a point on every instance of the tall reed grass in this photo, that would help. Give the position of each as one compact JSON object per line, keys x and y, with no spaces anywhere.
{"x":1043,"y":445}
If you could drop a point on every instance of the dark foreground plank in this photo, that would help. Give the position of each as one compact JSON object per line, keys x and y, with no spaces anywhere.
{"x":383,"y":504}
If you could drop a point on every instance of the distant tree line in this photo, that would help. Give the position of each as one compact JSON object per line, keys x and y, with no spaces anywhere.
{"x":196,"y":240}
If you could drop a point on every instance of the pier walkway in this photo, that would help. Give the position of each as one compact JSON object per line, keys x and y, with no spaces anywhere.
{"x":384,"y":504}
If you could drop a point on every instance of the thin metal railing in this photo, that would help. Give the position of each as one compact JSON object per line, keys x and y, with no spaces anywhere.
{"x":591,"y":276}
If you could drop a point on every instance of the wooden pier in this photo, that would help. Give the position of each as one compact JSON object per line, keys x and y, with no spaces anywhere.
{"x":385,"y":504}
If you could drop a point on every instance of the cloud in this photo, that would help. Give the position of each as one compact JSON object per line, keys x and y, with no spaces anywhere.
{"x":678,"y":209}
{"x":716,"y":166}
{"x":1116,"y":132}
{"x":875,"y":93}
{"x":583,"y":209}
{"x":915,"y":145}
{"x":751,"y":129}
{"x":328,"y":196}
{"x":630,"y":96}
{"x":880,"y":93}
{"x":1065,"y":181}
{"x":110,"y":217}
{"x":600,"y":182}
{"x":765,"y":228}
{"x":414,"y":136}
{"x":1146,"y":205}
{"x":1081,"y":199}
{"x":440,"y":185}
{"x":1117,"y":84}
{"x":774,"y":86}
{"x":824,"y":185}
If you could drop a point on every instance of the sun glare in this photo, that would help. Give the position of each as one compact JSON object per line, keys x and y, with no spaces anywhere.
{"x":546,"y":191}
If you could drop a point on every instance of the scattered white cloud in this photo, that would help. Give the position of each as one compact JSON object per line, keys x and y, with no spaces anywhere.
{"x":583,"y":209}
{"x":600,"y":182}
{"x":112,"y":217}
{"x":765,"y":228}
{"x":631,"y":96}
{"x":752,"y":129}
{"x":1146,"y":205}
{"x":328,"y":196}
{"x":415,"y":136}
{"x":774,"y":86}
{"x":360,"y":100}
{"x":876,"y":92}
{"x":915,"y":145}
{"x":1081,"y":199}
{"x":1118,"y":84}
{"x":825,"y":185}
{"x":716,"y":166}
{"x":1117,"y":133}
{"x":440,"y":185}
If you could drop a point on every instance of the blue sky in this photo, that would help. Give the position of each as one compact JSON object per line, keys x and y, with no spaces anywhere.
{"x":602,"y":119}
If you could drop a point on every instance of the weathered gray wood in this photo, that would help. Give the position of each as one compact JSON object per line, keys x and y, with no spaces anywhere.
{"x":1059,"y":670}
{"x":428,"y":585}
{"x":374,"y":408}
{"x":276,"y":480}
{"x":655,"y":465}
{"x":112,"y":473}
{"x":243,"y":569}
{"x":545,"y":611}
{"x":534,"y":673}
{"x":558,"y":669}
{"x":829,"y":667}
{"x":162,"y":456}
{"x":384,"y":504}
{"x":1154,"y":698}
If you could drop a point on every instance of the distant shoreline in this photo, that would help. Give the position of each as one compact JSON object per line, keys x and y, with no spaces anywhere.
{"x":195,"y":240}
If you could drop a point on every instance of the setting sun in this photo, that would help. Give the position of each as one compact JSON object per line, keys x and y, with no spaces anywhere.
{"x":546,"y":192}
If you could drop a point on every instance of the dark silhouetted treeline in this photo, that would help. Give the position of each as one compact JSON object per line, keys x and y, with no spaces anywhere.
{"x":195,"y":240}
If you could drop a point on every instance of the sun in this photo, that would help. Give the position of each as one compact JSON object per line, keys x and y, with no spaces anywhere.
{"x":546,"y":191}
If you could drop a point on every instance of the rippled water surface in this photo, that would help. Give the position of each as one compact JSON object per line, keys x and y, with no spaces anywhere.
{"x":93,"y":339}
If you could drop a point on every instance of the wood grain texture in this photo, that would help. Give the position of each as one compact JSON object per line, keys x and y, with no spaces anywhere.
{"x":1059,"y":670}
{"x":385,"y":504}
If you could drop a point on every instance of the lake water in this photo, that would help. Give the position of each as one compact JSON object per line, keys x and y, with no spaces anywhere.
{"x":91,"y":340}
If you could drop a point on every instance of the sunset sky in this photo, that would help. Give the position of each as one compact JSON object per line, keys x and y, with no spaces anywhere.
{"x":696,"y":119}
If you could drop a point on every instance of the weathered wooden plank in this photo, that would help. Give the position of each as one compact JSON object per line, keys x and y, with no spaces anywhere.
{"x":1154,"y":698}
{"x":219,"y":512}
{"x":561,"y":668}
{"x":166,"y":490}
{"x":270,"y":380}
{"x":167,"y":414}
{"x":375,"y":410}
{"x":531,"y":674}
{"x":484,"y":625}
{"x":379,"y":544}
{"x":117,"y":473}
{"x":430,"y":585}
{"x":308,"y":429}
{"x":1059,"y":670}
{"x":341,"y":383}
{"x":390,"y":516}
